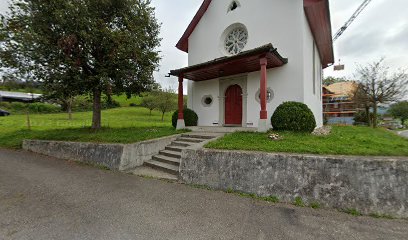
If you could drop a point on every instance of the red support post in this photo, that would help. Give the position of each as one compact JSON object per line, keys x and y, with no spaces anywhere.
{"x":264,"y":113}
{"x":181,"y":98}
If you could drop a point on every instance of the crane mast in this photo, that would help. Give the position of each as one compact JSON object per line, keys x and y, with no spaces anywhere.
{"x":351,"y":20}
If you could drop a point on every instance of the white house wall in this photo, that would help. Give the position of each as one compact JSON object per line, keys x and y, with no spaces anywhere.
{"x":281,"y":23}
{"x":272,"y":21}
{"x":281,"y":91}
{"x":208,"y":115}
{"x":312,"y":74}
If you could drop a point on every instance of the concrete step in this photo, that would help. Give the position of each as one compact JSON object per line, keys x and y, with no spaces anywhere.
{"x":174,"y":148}
{"x":197,"y":135}
{"x":169,"y":168}
{"x":145,"y":171}
{"x":169,"y":153}
{"x":180,"y":144}
{"x":166,"y":159}
{"x":190,"y":139}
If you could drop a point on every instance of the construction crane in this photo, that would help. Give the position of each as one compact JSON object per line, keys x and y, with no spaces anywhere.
{"x":340,"y":67}
{"x":351,"y":20}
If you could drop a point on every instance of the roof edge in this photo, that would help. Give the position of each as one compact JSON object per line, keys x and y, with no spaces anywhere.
{"x":265,"y":49}
{"x":183,"y":42}
{"x":324,"y":42}
{"x":326,"y":61}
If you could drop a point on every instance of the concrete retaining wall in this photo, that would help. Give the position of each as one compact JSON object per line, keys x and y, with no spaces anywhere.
{"x":370,"y":185}
{"x":115,"y":156}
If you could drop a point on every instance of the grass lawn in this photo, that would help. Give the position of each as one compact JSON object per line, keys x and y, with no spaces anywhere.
{"x":346,"y":140}
{"x":120,"y":125}
{"x":125,"y":102}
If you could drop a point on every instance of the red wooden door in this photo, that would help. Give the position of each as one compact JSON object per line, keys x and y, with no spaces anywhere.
{"x":233,"y":105}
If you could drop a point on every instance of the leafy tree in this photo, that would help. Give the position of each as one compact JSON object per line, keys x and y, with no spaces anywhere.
{"x":9,"y":83}
{"x":361,"y":100}
{"x":106,"y":46}
{"x":63,"y":89}
{"x":166,"y":101}
{"x":149,"y":101}
{"x":377,"y":86}
{"x":400,"y":110}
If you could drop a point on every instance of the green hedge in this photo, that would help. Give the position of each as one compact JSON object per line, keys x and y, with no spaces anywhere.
{"x":43,"y":108}
{"x":17,"y":107}
{"x":190,"y":118}
{"x":80,"y":104}
{"x":293,"y":116}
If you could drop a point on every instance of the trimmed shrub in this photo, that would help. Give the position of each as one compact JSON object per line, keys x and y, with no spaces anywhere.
{"x":293,"y":116}
{"x":190,"y":118}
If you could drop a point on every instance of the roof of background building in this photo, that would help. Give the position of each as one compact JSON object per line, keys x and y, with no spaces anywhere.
{"x":20,"y":95}
{"x":342,"y":88}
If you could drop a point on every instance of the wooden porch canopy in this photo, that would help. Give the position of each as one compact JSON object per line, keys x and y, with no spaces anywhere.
{"x":247,"y":61}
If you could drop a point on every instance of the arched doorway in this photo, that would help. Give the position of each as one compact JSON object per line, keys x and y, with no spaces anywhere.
{"x":233,"y":105}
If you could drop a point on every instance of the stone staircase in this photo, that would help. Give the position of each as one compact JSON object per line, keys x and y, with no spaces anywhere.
{"x":168,"y":160}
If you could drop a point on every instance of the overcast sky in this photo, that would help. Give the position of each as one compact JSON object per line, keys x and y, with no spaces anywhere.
{"x":380,"y":31}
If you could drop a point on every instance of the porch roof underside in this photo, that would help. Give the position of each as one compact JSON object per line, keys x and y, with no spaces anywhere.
{"x":248,"y":61}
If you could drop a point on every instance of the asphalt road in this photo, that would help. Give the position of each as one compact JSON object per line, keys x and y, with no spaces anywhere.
{"x":45,"y":198}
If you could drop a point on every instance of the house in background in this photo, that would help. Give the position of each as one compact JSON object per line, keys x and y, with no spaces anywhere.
{"x":7,"y":96}
{"x":247,"y":57}
{"x":338,"y":105}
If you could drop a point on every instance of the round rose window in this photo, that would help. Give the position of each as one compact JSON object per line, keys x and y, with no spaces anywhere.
{"x":236,"y":40}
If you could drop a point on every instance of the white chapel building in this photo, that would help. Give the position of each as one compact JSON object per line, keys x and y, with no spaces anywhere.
{"x":246,"y":57}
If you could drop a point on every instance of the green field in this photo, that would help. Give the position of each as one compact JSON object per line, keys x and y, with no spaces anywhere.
{"x":133,"y":124}
{"x":120,"y":125}
{"x":125,"y":102}
{"x":345,"y":140}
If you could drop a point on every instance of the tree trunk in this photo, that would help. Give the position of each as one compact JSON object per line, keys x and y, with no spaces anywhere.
{"x":367,"y":110}
{"x":96,"y":111}
{"x":109,"y":99}
{"x":151,"y":112}
{"x":69,"y":108}
{"x":109,"y":95}
{"x":375,"y":110}
{"x":163,"y":116}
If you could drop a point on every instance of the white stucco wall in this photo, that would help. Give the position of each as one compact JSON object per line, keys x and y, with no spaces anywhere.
{"x":278,"y":82}
{"x":312,"y":74}
{"x":208,"y":115}
{"x":281,"y":23}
